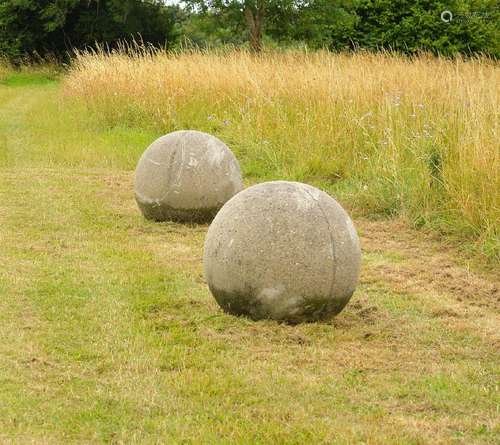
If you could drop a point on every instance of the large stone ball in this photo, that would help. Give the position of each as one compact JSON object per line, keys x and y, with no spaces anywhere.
{"x":284,"y":251}
{"x":186,"y":176}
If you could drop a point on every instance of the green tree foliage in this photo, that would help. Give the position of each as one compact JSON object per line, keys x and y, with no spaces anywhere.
{"x":57,"y":26}
{"x":233,"y":21}
{"x":318,"y":23}
{"x":402,"y":25}
{"x":410,"y":26}
{"x":213,"y":22}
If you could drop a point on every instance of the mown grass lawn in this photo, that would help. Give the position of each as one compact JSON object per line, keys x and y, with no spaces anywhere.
{"x":108,"y":333}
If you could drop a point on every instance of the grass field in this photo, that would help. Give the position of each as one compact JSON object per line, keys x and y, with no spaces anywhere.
{"x":108,"y":333}
{"x":416,"y":137}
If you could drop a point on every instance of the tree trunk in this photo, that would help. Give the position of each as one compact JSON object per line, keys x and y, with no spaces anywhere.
{"x":254,"y":18}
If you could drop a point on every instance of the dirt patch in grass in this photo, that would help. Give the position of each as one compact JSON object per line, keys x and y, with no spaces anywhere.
{"x":424,"y":264}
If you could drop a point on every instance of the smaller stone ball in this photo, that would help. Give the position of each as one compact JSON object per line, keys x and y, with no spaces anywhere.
{"x":284,"y":251}
{"x":186,"y":176}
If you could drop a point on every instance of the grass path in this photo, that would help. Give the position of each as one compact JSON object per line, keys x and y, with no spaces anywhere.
{"x":108,"y":333}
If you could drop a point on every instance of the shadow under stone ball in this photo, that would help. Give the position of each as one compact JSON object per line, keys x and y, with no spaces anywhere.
{"x":186,"y":176}
{"x":284,"y":251}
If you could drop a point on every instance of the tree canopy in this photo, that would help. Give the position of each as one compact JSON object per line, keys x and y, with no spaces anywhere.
{"x":407,"y":26}
{"x":43,"y":27}
{"x":58,"y":26}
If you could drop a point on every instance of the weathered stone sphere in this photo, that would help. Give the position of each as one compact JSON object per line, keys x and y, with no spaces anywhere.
{"x":284,"y":251}
{"x":186,"y":176}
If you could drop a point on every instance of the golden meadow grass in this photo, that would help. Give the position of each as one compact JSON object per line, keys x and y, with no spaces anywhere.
{"x":387,"y":134}
{"x":5,"y":69}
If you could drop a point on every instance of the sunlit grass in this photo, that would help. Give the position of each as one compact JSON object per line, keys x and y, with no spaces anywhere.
{"x":391,"y":135}
{"x":109,"y":333}
{"x":45,"y":71}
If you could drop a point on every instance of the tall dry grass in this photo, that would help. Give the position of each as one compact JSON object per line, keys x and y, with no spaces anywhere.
{"x":417,"y":137}
{"x":5,"y":69}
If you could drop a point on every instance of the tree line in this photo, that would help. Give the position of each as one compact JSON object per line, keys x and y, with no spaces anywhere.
{"x":56,"y":27}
